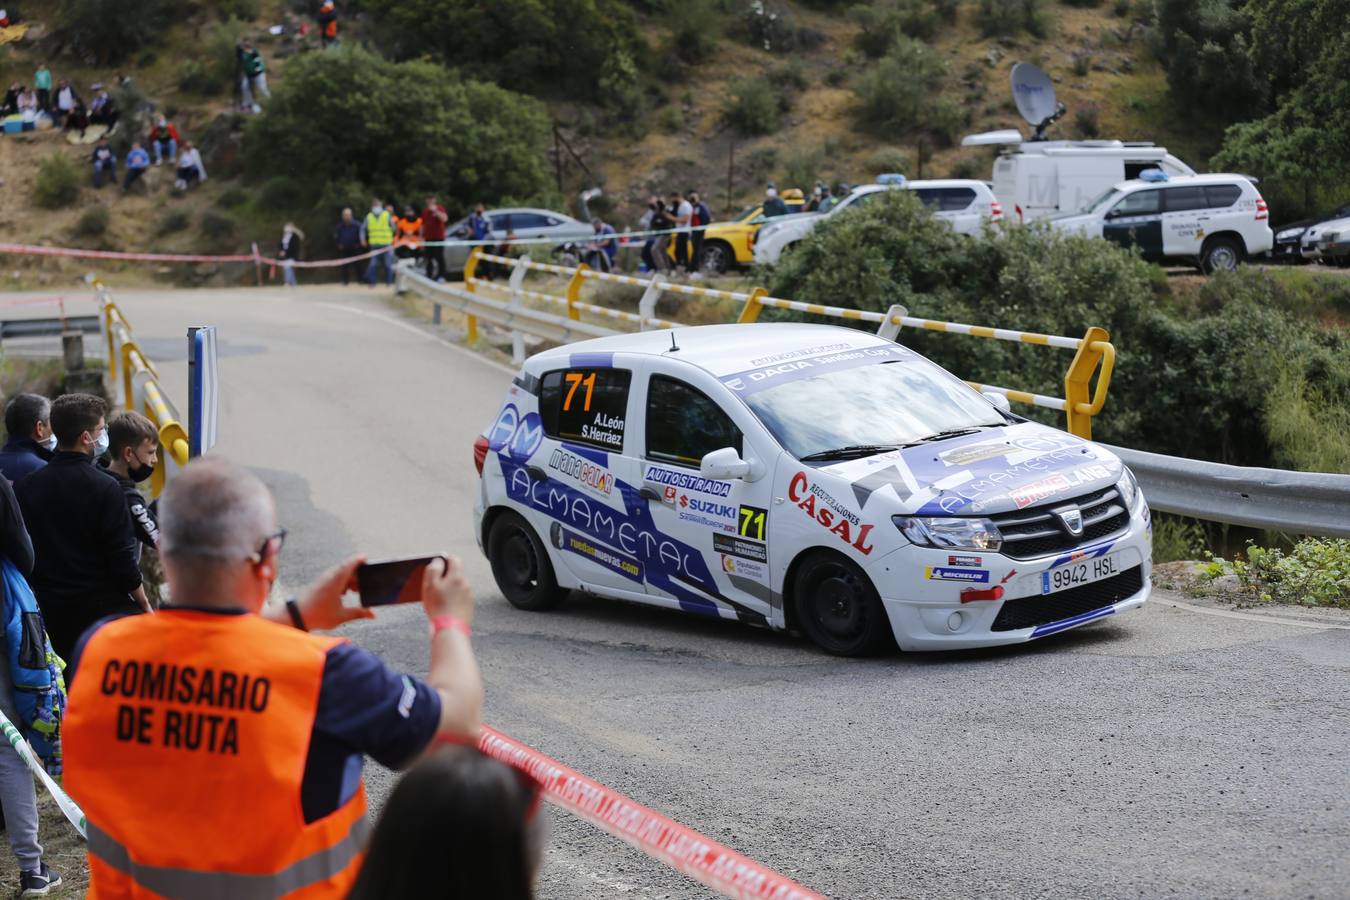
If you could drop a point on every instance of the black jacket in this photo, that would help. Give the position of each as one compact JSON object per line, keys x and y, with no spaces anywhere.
{"x":15,"y":545}
{"x":144,"y":518}
{"x":84,"y":546}
{"x":21,"y":457}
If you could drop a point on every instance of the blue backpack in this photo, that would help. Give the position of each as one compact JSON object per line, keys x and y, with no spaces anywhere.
{"x":34,"y":669}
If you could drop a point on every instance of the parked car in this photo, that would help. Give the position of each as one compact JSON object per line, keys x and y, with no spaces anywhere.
{"x":1211,"y":221}
{"x":1289,"y":237}
{"x":802,"y":477}
{"x":1311,"y":249}
{"x":964,"y":204}
{"x":523,"y":223}
{"x":1333,"y":244}
{"x":729,"y":244}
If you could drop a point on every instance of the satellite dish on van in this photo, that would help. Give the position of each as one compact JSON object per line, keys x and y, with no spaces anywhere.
{"x":1034,"y":93}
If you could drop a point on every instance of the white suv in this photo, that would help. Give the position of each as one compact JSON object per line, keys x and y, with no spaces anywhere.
{"x":963,"y":203}
{"x":1213,"y":221}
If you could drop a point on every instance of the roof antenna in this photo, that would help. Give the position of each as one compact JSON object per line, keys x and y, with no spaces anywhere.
{"x":673,"y":347}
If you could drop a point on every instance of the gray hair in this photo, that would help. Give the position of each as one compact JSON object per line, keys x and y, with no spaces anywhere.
{"x":215,"y":510}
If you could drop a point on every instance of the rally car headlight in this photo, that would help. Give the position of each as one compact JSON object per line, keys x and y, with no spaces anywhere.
{"x":1289,"y":234}
{"x":950,"y":534}
{"x":1129,"y":488}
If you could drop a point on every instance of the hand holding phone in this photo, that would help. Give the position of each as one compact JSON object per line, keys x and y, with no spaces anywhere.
{"x":394,"y":581}
{"x":446,"y":592}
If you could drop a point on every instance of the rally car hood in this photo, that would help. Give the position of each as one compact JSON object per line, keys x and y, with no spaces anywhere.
{"x":995,"y":471}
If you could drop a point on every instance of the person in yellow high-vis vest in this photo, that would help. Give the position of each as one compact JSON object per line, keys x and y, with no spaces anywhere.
{"x":377,"y":233}
{"x":215,"y":746}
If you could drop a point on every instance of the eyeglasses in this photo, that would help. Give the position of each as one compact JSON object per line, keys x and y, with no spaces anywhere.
{"x":261,"y":553}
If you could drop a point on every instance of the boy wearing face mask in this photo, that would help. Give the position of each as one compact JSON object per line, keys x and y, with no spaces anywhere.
{"x":31,"y":442}
{"x":86,"y":556}
{"x":133,"y":453}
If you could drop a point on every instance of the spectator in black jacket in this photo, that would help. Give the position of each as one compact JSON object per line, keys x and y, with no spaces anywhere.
{"x":86,"y":565}
{"x":289,"y":252}
{"x":347,"y":236}
{"x":133,"y":453}
{"x":31,"y":442}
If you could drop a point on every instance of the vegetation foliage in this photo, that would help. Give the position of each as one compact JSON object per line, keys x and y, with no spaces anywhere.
{"x":1314,"y":572}
{"x":58,"y":183}
{"x":1270,"y":384}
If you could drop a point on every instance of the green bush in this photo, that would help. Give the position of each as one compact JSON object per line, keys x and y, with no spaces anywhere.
{"x":902,"y":93}
{"x":172,"y":222}
{"x":421,"y":130}
{"x":93,"y":222}
{"x":105,"y":32}
{"x":1316,"y":572}
{"x":281,"y":193}
{"x":1270,"y":387}
{"x":211,"y":71}
{"x":218,"y":228}
{"x":755,"y":105}
{"x":538,"y":46}
{"x":1006,"y":18}
{"x":1176,"y":538}
{"x":888,"y":159}
{"x":232,"y":198}
{"x":880,"y":24}
{"x":696,"y":28}
{"x":57,"y":184}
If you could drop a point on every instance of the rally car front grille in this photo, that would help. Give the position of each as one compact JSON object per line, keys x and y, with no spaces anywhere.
{"x":1042,"y":609}
{"x":1038,"y":531}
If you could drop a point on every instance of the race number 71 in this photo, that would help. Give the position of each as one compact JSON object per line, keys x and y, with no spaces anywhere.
{"x":752,"y":522}
{"x":576,"y":380}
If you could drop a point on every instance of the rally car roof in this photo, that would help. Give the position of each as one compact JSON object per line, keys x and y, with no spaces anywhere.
{"x":720,"y":349}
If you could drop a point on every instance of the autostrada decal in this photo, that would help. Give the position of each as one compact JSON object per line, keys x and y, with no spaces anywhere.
{"x":628,"y":536}
{"x":822,"y":508}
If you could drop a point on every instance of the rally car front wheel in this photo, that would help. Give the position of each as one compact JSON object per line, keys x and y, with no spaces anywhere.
{"x":838,"y":607}
{"x":520,"y":564}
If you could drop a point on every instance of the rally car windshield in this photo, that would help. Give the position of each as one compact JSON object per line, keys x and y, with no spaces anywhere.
{"x":870,"y":409}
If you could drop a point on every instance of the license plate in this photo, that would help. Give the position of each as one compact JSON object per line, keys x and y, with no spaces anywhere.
{"x":1079,"y":573}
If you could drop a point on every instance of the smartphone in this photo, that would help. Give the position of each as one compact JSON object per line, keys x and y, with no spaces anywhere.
{"x":393,"y":581}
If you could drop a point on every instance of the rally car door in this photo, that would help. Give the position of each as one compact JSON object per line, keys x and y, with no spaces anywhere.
{"x":720,"y":526}
{"x":577,"y":494}
{"x":1136,"y":220}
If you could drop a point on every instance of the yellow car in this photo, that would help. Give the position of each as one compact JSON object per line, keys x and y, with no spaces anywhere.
{"x":727,"y":244}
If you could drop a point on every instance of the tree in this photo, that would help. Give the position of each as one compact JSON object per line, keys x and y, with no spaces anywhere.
{"x":1204,"y":47}
{"x":417,"y":128}
{"x":105,"y":32}
{"x":535,"y":46}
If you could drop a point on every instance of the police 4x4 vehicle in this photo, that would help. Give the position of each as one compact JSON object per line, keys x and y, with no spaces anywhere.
{"x":802,"y":477}
{"x":1212,"y":221}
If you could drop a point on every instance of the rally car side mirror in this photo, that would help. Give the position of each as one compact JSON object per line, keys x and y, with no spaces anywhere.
{"x":999,"y":401}
{"x":724,"y":465}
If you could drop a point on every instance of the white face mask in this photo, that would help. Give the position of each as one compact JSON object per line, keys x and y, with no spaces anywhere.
{"x":101,"y":443}
{"x":49,"y":444}
{"x":377,"y":209}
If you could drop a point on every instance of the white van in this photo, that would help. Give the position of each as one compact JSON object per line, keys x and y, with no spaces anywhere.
{"x":1036,"y":179}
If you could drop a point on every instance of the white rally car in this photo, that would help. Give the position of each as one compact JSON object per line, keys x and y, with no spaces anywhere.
{"x":803,"y":477}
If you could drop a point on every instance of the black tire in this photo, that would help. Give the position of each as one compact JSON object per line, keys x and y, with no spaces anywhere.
{"x":838,"y":607}
{"x":716,"y":257}
{"x":521,"y":566}
{"x":1221,"y":254}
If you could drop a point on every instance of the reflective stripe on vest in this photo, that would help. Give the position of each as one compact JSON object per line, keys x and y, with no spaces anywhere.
{"x":378,"y":230}
{"x":186,"y":743}
{"x":195,"y":884}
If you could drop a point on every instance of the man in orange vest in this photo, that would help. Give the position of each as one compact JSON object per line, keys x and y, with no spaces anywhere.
{"x":408,"y":234}
{"x":216,"y":747}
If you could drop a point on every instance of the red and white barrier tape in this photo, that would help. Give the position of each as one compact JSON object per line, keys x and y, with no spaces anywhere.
{"x":701,"y":858}
{"x":33,"y":250}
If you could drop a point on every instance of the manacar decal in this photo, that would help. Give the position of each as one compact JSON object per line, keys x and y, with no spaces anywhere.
{"x":582,"y":471}
{"x":824,"y":509}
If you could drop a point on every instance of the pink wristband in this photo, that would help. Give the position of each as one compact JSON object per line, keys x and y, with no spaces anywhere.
{"x":441,"y":623}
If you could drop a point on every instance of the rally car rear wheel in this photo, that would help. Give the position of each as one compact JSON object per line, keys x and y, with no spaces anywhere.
{"x":838,"y":607}
{"x":521,"y":566}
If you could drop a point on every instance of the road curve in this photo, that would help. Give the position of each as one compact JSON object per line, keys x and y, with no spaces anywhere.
{"x":1165,"y":752}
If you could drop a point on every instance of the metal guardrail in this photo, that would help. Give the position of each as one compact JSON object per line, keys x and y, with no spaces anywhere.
{"x":22,"y":328}
{"x":141,"y":389}
{"x":1094,"y":354}
{"x":1295,"y":502}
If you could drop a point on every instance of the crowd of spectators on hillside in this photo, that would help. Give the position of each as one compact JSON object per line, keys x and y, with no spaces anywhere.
{"x":219,"y":701}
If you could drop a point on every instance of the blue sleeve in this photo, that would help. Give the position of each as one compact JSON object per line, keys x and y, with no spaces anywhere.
{"x":374,"y":710}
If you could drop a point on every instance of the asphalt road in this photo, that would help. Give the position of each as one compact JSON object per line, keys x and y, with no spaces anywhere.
{"x":1171,"y":751}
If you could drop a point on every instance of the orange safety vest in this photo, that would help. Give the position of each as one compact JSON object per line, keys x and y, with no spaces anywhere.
{"x":185,"y":742}
{"x":330,"y":30}
{"x":408,"y":233}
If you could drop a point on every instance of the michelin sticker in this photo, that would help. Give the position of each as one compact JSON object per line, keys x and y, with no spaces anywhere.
{"x":940,"y":573}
